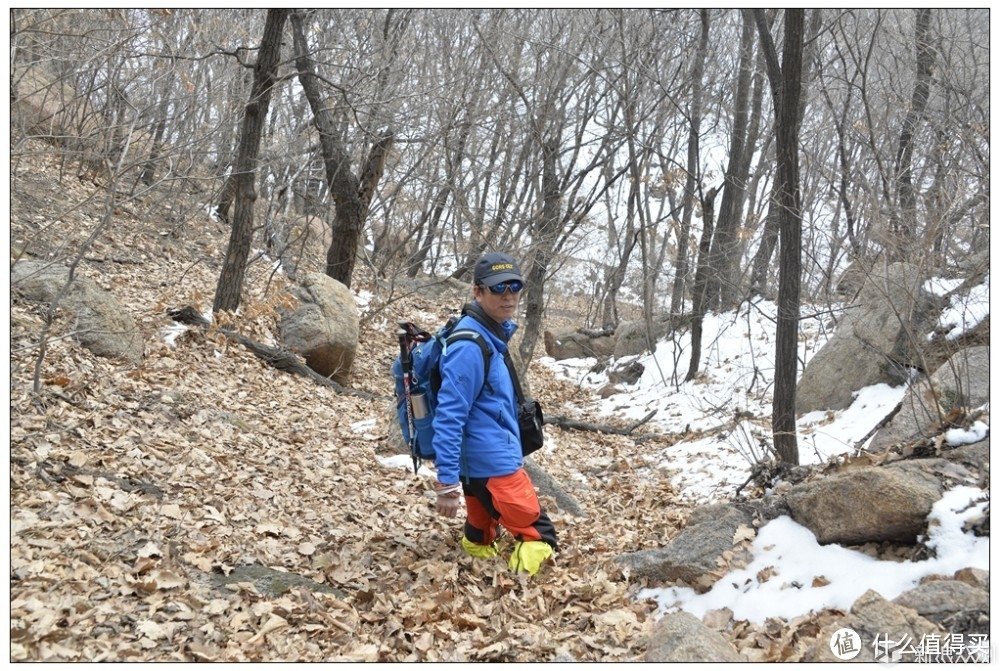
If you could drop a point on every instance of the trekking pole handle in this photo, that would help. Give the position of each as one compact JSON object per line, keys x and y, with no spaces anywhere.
{"x":404,"y":352}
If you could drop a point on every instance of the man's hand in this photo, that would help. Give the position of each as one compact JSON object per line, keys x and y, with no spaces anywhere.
{"x":448,"y":498}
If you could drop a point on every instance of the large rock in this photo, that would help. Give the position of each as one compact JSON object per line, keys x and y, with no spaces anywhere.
{"x":631,"y":338}
{"x":873,"y":616}
{"x":963,"y":382}
{"x":693,"y":553}
{"x":976,"y":455}
{"x":102,"y":324}
{"x":681,"y":637}
{"x":548,"y":486}
{"x":573,"y":344}
{"x":945,"y":601}
{"x":324,"y":330}
{"x":865,"y":504}
{"x":876,"y":339}
{"x":40,"y":108}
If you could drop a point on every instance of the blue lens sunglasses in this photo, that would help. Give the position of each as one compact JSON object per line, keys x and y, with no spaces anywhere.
{"x":515,"y":287}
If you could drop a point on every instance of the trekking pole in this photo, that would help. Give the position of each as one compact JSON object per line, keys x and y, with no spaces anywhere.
{"x":406,"y":363}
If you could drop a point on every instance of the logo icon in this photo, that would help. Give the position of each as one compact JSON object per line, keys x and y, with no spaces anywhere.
{"x":845,"y":644}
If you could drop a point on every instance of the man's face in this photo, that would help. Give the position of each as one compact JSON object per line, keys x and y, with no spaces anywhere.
{"x":500,"y":307}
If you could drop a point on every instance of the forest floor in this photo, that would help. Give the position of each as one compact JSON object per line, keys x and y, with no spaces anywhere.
{"x":140,"y":494}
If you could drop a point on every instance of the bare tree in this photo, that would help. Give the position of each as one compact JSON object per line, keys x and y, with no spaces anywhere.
{"x":904,"y":217}
{"x":692,"y":170}
{"x":230,"y":286}
{"x":351,"y":193}
{"x":786,"y":84}
{"x":722,"y":287}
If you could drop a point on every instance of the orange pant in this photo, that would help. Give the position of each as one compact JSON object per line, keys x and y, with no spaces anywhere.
{"x":508,"y":500}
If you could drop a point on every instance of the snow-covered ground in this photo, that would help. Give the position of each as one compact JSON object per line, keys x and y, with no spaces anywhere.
{"x":730,"y":399}
{"x":733,"y":392}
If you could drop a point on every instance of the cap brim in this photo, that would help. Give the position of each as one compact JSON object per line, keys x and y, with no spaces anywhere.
{"x":501,"y":277}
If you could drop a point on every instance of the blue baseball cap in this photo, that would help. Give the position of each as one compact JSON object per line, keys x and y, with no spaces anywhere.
{"x":496,"y":267}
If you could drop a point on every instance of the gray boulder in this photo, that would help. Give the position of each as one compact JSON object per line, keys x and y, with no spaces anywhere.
{"x":573,"y":344}
{"x":626,"y":373}
{"x":943,"y":601}
{"x":693,"y":553}
{"x":872,"y":615}
{"x":963,"y":382}
{"x":976,"y":455}
{"x":102,"y":324}
{"x":976,"y":577}
{"x":324,"y":329}
{"x":631,"y":338}
{"x":876,"y":338}
{"x":865,"y":504}
{"x":548,"y":486}
{"x":681,"y":637}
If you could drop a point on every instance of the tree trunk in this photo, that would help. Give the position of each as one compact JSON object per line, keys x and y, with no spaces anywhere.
{"x":351,"y":195}
{"x":722,"y":289}
{"x":769,"y":235}
{"x":148,"y":173}
{"x":700,"y":279}
{"x":454,"y":161}
{"x":227,"y":293}
{"x":906,"y":214}
{"x":691,"y":180}
{"x":544,"y":234}
{"x":786,"y":88}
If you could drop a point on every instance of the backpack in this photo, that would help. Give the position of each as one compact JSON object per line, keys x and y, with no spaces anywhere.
{"x":418,"y":379}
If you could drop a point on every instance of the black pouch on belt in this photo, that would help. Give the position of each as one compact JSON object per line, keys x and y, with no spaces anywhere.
{"x":529,"y":419}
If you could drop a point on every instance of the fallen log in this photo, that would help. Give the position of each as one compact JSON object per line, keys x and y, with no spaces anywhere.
{"x":565,"y":422}
{"x":277,"y":357}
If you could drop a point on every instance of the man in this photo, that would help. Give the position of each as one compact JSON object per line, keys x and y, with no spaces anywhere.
{"x":476,"y":435}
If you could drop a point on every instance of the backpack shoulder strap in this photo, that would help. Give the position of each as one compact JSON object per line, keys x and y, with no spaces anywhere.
{"x":475,"y":336}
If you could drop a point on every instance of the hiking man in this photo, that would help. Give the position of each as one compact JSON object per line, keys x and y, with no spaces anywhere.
{"x":476,"y":436}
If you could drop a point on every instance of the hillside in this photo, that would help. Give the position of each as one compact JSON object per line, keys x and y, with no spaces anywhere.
{"x":202,"y":506}
{"x":133,"y":489}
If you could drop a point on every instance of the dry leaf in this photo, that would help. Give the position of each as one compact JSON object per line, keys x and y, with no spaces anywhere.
{"x":149,"y":550}
{"x":168,"y":580}
{"x":274,"y":623}
{"x":77,"y":459}
{"x":203,"y":651}
{"x":766,"y":573}
{"x":744,"y":533}
{"x":172,"y":510}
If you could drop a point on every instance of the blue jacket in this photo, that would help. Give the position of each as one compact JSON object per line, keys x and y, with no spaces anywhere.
{"x":486,"y":421}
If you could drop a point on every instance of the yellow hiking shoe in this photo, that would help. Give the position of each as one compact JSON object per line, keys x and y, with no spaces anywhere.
{"x":479,"y":551}
{"x":529,"y":555}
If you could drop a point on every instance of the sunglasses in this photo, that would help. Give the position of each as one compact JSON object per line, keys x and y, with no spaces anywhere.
{"x":515,"y":287}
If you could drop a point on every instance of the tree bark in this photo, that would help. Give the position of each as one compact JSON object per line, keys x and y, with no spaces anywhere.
{"x":351,"y":195}
{"x":906,"y":213}
{"x":700,"y":279}
{"x":227,"y":293}
{"x":769,"y":235}
{"x":787,"y":89}
{"x":544,"y":233}
{"x":682,"y":263}
{"x":722,"y":288}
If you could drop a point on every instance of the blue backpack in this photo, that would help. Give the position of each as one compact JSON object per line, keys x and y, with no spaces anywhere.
{"x":418,"y":379}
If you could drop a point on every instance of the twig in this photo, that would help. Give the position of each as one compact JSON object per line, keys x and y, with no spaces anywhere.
{"x":885,"y":420}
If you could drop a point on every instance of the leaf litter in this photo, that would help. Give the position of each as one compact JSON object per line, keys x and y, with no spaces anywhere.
{"x":132,"y":487}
